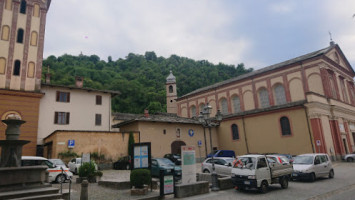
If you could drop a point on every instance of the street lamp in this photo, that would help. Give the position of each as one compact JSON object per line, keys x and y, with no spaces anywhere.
{"x":206,"y":121}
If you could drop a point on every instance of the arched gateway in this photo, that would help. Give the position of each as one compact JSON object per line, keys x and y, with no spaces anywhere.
{"x":176,"y":147}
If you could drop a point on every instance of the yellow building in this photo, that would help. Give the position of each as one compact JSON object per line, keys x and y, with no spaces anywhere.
{"x":22,"y":27}
{"x":302,"y":105}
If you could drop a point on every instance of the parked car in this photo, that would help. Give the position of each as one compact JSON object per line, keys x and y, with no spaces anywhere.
{"x":74,"y":165}
{"x":312,"y":166}
{"x":223,"y":165}
{"x":350,"y":157}
{"x":222,"y":153}
{"x":55,"y":172}
{"x":166,"y":165}
{"x":256,"y":171}
{"x":288,"y":156}
{"x":123,"y":163}
{"x":175,"y":158}
{"x":58,"y":162}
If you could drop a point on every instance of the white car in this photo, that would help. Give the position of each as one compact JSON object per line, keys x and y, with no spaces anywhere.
{"x":350,"y":157}
{"x":56,"y":173}
{"x":311,"y":166}
{"x":74,"y":165}
{"x":223,"y":165}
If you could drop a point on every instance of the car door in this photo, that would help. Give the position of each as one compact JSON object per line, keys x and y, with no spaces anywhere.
{"x":262,"y":171}
{"x":221,"y":167}
{"x":318,"y":166}
{"x":325,"y":165}
{"x":155,"y":168}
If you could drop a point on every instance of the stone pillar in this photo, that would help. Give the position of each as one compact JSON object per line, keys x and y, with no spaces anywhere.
{"x":84,"y":190}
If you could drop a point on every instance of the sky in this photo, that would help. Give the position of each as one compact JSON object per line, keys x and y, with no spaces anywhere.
{"x":257,"y":33}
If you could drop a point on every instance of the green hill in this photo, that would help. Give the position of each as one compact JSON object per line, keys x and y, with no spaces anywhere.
{"x":140,"y":78}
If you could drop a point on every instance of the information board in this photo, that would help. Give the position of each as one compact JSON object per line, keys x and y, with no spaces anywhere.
{"x":188,"y":164}
{"x":141,"y":155}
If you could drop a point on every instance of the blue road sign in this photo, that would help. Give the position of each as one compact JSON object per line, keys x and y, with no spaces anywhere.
{"x":191,"y":132}
{"x":199,"y":143}
{"x":71,"y":143}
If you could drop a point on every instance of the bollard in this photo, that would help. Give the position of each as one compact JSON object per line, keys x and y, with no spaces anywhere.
{"x":84,"y":190}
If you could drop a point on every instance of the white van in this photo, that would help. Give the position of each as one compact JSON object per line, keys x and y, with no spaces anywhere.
{"x":55,"y":172}
{"x":311,"y":166}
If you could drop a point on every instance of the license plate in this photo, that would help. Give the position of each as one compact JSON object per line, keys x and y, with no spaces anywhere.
{"x":294,"y":174}
{"x":247,"y":182}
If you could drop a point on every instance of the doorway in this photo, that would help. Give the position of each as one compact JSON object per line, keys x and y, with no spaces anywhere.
{"x":176,"y":147}
{"x":345,"y":146}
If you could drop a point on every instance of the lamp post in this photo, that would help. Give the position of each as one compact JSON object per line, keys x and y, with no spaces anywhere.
{"x":206,"y":121}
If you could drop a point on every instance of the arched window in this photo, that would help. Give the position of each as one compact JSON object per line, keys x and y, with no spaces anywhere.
{"x":23,"y":7}
{"x":20,"y":35}
{"x":171,"y":89}
{"x":193,"y":111}
{"x":2,"y":65}
{"x":5,"y":32}
{"x":235,"y":132}
{"x":285,"y":126}
{"x":17,"y":68}
{"x":264,"y":98}
{"x":280,"y":95}
{"x":36,"y":10}
{"x":224,"y":106}
{"x":201,"y":107}
{"x":333,"y":92}
{"x":8,"y":5}
{"x":236,"y":104}
{"x":31,"y":70}
{"x":34,"y":38}
{"x":345,"y":94}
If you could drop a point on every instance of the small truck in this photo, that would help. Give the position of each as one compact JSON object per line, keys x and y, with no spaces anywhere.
{"x":259,"y":171}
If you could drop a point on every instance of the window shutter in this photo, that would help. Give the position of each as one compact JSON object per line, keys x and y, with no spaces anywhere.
{"x":68,"y":116}
{"x":68,"y":99}
{"x":56,"y":117}
{"x":57,"y":99}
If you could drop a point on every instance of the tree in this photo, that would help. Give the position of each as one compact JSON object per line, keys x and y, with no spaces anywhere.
{"x":130,"y":143}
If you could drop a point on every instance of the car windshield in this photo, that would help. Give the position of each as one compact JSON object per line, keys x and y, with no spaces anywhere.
{"x":245,"y":163}
{"x":303,"y":160}
{"x":163,"y":162}
{"x":57,"y":162}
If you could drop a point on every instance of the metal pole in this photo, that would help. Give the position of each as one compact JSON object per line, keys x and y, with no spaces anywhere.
{"x":214,"y":174}
{"x":204,"y":134}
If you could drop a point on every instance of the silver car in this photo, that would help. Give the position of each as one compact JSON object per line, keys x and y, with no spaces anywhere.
{"x":223,"y":165}
{"x":350,"y":157}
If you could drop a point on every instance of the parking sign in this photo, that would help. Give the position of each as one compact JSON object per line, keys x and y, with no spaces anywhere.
{"x":71,"y":143}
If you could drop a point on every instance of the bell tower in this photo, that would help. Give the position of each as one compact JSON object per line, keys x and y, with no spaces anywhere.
{"x":171,"y":94}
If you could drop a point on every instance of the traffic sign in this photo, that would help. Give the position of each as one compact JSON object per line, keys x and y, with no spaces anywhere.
{"x":71,"y":143}
{"x":191,"y":132}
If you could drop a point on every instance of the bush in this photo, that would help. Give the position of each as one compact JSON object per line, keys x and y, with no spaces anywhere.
{"x":140,"y":177}
{"x":87,"y":170}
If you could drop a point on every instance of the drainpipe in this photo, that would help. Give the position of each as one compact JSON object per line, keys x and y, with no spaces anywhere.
{"x":309,"y":128}
{"x":245,"y":135}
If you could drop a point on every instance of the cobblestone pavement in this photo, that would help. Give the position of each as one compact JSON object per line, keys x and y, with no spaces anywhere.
{"x":97,"y":192}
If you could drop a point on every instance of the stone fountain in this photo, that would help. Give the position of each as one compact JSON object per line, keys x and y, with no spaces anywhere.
{"x":13,"y":175}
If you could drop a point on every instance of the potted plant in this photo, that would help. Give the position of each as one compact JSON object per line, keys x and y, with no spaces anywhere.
{"x":140,"y":179}
{"x":88,"y":171}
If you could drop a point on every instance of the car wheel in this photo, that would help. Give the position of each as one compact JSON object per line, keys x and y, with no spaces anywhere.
{"x":60,"y":178}
{"x":331,"y":174}
{"x":206,"y":171}
{"x":312,"y":177}
{"x":284,"y":183}
{"x":264,"y":187}
{"x":127,"y":167}
{"x":350,"y":159}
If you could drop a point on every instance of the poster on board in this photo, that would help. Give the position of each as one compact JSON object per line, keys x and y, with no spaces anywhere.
{"x":188,"y":164}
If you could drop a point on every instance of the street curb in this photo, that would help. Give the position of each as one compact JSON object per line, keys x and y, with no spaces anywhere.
{"x":333,"y":192}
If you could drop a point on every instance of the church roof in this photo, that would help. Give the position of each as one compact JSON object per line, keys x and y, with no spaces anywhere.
{"x":263,"y":70}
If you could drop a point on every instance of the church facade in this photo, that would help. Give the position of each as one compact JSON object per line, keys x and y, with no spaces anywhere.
{"x":302,"y":105}
{"x":22,"y":29}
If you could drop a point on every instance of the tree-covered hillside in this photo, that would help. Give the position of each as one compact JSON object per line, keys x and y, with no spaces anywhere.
{"x":140,"y":78}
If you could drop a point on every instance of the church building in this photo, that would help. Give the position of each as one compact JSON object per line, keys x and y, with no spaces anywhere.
{"x":22,"y":29}
{"x":302,"y":105}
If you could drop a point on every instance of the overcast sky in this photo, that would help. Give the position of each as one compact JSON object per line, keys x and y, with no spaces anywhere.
{"x":256,"y":32}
